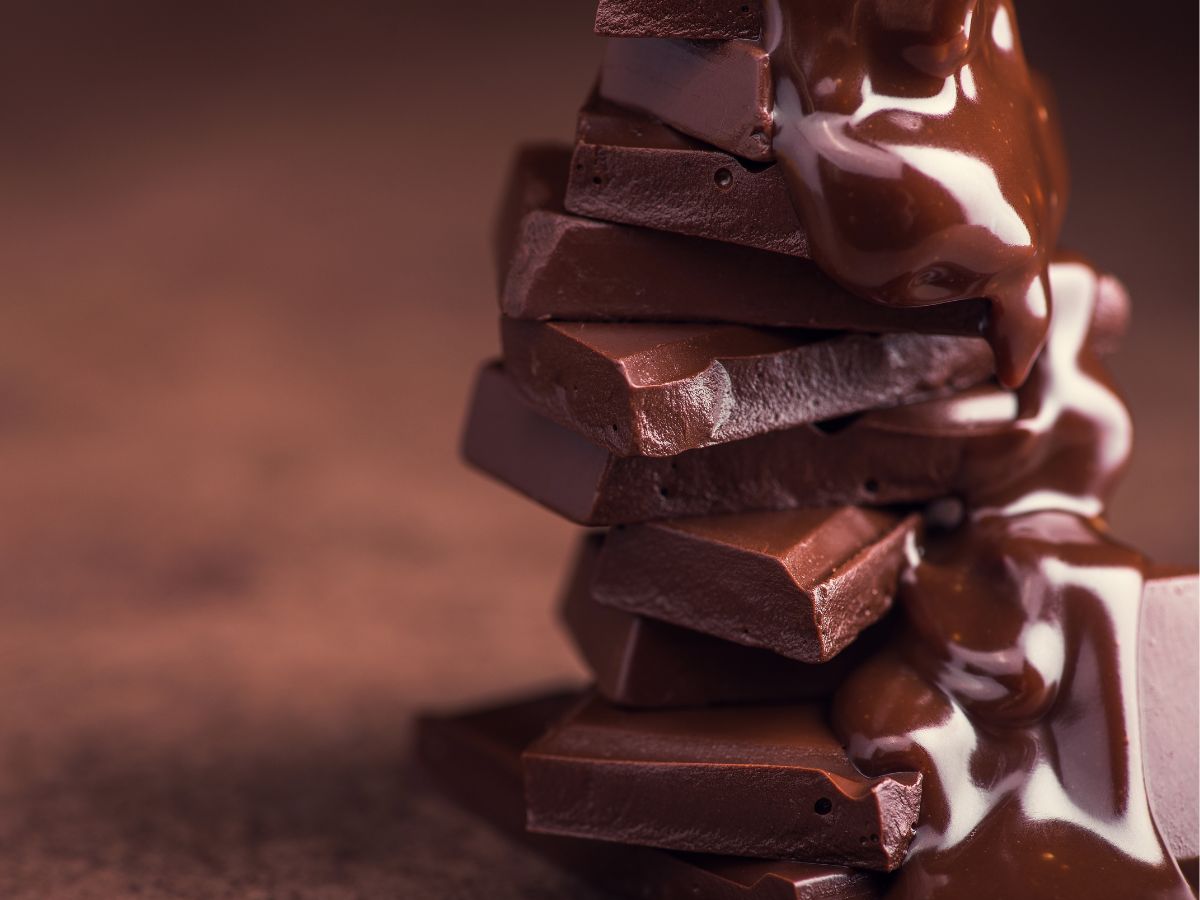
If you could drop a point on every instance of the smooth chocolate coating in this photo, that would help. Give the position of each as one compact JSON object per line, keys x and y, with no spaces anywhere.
{"x":803,"y":466}
{"x":642,"y":389}
{"x":633,"y":169}
{"x":802,"y":582}
{"x":554,"y":265}
{"x":758,"y":781}
{"x":643,"y":662}
{"x":719,"y":92}
{"x":1169,"y":684}
{"x":703,"y":19}
{"x":476,"y":758}
{"x":1019,"y":655}
{"x":924,"y":159}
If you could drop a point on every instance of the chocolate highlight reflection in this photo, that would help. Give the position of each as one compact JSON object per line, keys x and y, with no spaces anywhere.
{"x":922,"y":158}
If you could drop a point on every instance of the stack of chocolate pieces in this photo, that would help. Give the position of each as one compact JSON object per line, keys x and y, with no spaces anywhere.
{"x":762,"y":450}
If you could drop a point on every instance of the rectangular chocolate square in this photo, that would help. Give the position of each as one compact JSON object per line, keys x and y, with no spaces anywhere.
{"x":904,"y":460}
{"x":633,"y":169}
{"x":649,"y":389}
{"x":719,"y":92}
{"x":643,"y":662}
{"x":555,"y":265}
{"x":476,"y":758}
{"x":757,"y":781}
{"x":801,"y":582}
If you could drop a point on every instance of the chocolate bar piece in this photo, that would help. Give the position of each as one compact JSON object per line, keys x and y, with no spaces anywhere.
{"x":800,"y":582}
{"x":554,"y":265}
{"x":476,"y":759}
{"x":643,"y":662}
{"x":719,"y":92}
{"x":702,"y":19}
{"x":758,"y":781}
{"x":1169,"y":676}
{"x":810,"y":465}
{"x":633,"y":169}
{"x":642,"y":389}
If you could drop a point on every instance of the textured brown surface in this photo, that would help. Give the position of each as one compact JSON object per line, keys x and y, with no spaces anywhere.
{"x":238,"y":551}
{"x":769,"y":782}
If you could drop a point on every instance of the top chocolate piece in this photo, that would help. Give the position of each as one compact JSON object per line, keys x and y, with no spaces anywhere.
{"x":718,"y":92}
{"x":699,"y":19}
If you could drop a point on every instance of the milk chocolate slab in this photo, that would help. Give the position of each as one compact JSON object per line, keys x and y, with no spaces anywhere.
{"x":719,"y":92}
{"x":757,"y":781}
{"x":633,"y":169}
{"x":476,"y":758}
{"x":1169,"y":688}
{"x":703,"y":19}
{"x":661,"y":389}
{"x":555,"y":265}
{"x":802,"y":466}
{"x":643,"y":662}
{"x":800,"y":582}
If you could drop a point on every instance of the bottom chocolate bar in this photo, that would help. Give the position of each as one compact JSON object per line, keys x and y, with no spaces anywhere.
{"x":476,"y":758}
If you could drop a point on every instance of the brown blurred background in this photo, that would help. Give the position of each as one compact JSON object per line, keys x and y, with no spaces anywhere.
{"x":246,"y":282}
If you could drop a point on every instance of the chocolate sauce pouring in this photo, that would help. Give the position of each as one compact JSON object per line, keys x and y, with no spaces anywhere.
{"x":922,"y":156}
{"x":926,"y":167}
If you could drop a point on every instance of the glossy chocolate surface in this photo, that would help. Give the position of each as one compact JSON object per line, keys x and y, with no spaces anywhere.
{"x":780,"y":777}
{"x":643,"y":662}
{"x":704,"y":19}
{"x":476,"y":757}
{"x":923,"y":157}
{"x":802,"y":583}
{"x":643,"y":389}
{"x":1019,"y":656}
{"x":921,"y":163}
{"x":555,"y":265}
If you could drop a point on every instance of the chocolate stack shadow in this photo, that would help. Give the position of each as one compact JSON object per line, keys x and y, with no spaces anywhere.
{"x":760,"y":445}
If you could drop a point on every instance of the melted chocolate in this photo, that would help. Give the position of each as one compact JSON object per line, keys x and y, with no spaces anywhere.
{"x":922,"y":156}
{"x":1014,"y":690}
{"x":926,"y":166}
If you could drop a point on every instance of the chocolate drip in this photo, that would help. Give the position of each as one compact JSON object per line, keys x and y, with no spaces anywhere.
{"x":1014,"y":690}
{"x":926,"y":166}
{"x":922,"y":156}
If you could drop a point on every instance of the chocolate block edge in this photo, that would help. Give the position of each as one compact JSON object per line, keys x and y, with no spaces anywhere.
{"x":695,"y":19}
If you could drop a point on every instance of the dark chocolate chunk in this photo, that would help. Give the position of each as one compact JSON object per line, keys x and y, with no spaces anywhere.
{"x":475,"y":758}
{"x":803,"y":466}
{"x":800,"y":582}
{"x":639,"y":661}
{"x":719,"y":92}
{"x":642,"y":389}
{"x":630,"y":168}
{"x":702,"y":19}
{"x":554,"y":265}
{"x":1169,"y":688}
{"x":758,"y":781}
